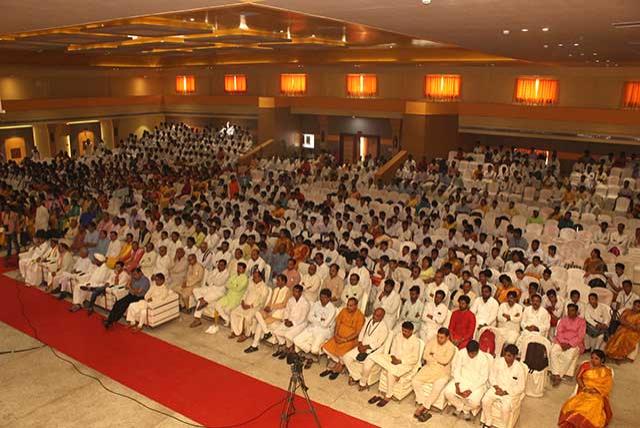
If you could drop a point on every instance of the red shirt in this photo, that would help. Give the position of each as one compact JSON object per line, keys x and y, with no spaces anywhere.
{"x":461,"y":327}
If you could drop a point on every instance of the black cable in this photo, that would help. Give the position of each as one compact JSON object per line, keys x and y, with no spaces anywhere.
{"x":44,"y":344}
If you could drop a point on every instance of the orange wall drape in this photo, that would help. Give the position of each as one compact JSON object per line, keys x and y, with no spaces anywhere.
{"x":631,"y":95}
{"x":185,"y":84}
{"x":534,"y":91}
{"x":362,"y":85}
{"x":442,"y":87}
{"x":293,"y":84}
{"x":235,"y":83}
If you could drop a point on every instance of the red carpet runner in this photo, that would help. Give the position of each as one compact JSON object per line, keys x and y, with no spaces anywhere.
{"x":196,"y":387}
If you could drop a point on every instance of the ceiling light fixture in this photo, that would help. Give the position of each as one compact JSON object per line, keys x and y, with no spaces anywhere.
{"x":560,"y":45}
{"x":192,"y":19}
{"x":426,"y":2}
{"x":524,"y":30}
{"x":576,"y":44}
{"x":595,"y":54}
{"x":545,"y":29}
{"x":546,"y":46}
{"x":505,"y":32}
{"x":243,"y":23}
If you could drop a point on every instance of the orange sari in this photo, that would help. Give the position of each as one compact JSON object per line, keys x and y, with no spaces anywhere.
{"x":625,"y":339}
{"x":589,"y":409}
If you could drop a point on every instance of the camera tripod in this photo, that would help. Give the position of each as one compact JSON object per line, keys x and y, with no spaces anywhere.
{"x":289,"y":408}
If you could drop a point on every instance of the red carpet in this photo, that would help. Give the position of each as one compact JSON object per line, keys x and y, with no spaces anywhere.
{"x":196,"y":387}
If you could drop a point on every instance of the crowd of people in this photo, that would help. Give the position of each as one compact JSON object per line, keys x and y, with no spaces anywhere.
{"x":426,"y":284}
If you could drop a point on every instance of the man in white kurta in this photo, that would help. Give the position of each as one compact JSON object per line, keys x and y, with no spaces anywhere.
{"x":270,"y":317}
{"x":242,"y":318}
{"x":310,"y":282}
{"x":148,"y":261}
{"x":535,"y":320}
{"x":28,"y":262}
{"x":402,"y":357}
{"x":389,"y":300}
{"x":434,"y":316}
{"x":213,"y":288}
{"x":322,"y":318}
{"x":63,"y":265}
{"x":470,"y":372}
{"x":485,"y":308}
{"x":137,"y":311}
{"x":507,"y":379}
{"x":82,"y":268}
{"x":163,"y":262}
{"x":98,"y":278}
{"x":371,"y":338}
{"x":293,"y":323}
{"x":411,"y":310}
{"x":598,"y":316}
{"x":509,"y":319}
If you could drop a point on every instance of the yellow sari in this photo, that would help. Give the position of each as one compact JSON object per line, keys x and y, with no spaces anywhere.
{"x":625,"y":339}
{"x":588,"y":409}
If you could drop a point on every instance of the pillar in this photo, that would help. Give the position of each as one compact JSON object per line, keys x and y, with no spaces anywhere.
{"x":41,"y":140}
{"x":106,"y":131}
{"x":276,"y":122}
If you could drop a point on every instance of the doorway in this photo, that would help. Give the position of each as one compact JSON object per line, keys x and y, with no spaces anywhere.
{"x":354,"y":147}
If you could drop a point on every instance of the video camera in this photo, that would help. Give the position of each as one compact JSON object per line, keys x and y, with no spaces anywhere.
{"x":296,"y":361}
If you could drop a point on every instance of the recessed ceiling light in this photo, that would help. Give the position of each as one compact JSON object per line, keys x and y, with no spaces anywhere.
{"x":192,"y":19}
{"x":595,"y":54}
{"x":570,"y":54}
{"x":524,"y":30}
{"x":505,"y":32}
{"x":545,"y":29}
{"x":608,"y":60}
{"x":560,"y":45}
{"x":546,"y":46}
{"x":425,"y":2}
{"x":576,"y":44}
{"x":597,"y":60}
{"x":582,"y":54}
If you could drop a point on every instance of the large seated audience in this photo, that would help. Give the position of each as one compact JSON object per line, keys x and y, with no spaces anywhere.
{"x":469,"y":281}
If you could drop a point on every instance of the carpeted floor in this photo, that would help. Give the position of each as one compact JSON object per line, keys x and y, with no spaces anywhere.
{"x":196,"y":387}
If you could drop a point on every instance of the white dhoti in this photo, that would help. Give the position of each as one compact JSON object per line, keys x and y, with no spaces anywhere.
{"x":285,"y":335}
{"x":312,"y":339}
{"x":469,"y":404}
{"x":137,"y":313}
{"x":392,"y":371}
{"x":243,"y":320}
{"x":224,"y":312}
{"x":561,"y":361}
{"x":209,"y":294}
{"x":80,"y":295}
{"x":506,"y":406}
{"x":424,"y":398}
{"x":32,"y":272}
{"x":358,"y":370}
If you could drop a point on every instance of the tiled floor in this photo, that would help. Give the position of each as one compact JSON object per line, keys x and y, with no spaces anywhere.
{"x":37,"y":389}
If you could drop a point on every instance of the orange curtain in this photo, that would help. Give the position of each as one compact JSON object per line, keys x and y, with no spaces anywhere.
{"x":534,"y":91}
{"x":362,"y":85}
{"x":235,"y":83}
{"x":293,"y":84}
{"x":185,"y":84}
{"x":631,"y":95}
{"x":442,"y":87}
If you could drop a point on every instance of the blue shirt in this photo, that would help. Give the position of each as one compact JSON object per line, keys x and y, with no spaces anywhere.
{"x":140,"y":286}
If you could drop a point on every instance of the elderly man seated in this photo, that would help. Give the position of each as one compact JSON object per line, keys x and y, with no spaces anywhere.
{"x":137,"y":311}
{"x":193,"y":280}
{"x":294,"y":321}
{"x":401,"y":359}
{"x":242,"y":317}
{"x":371,"y":338}
{"x":349,"y":323}
{"x":85,"y":285}
{"x":322,"y":317}
{"x":568,"y":343}
{"x":507,"y":379}
{"x":213,"y":288}
{"x":437,"y":357}
{"x":470,"y":372}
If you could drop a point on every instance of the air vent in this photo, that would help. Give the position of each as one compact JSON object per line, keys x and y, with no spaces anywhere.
{"x":628,"y":24}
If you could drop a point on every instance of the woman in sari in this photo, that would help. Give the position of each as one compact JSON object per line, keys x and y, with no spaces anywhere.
{"x":627,"y":336}
{"x":594,"y":265}
{"x":589,"y":407}
{"x":300,"y":251}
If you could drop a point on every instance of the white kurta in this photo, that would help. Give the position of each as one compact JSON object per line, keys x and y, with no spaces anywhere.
{"x":320,"y":328}
{"x":296,"y":311}
{"x":433,"y":317}
{"x":311,"y":285}
{"x":391,"y":304}
{"x":242,"y":320}
{"x":137,"y":311}
{"x":471,"y":374}
{"x":512,"y":380}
